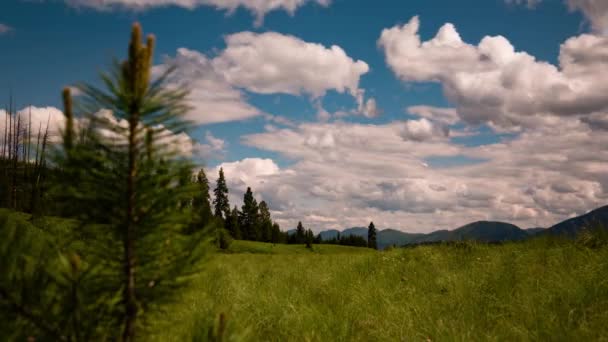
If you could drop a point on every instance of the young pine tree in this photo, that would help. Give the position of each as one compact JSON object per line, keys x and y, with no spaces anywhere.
{"x":127,"y":195}
{"x":371,"y":236}
{"x":220,"y":203}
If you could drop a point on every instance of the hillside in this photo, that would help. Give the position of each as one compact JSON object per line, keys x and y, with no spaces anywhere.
{"x":574,"y":225}
{"x":482,"y":231}
{"x":390,"y":237}
{"x":535,"y":230}
{"x":547,"y":289}
{"x":357,"y":231}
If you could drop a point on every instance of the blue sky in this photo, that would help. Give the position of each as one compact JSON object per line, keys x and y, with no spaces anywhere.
{"x":50,"y":44}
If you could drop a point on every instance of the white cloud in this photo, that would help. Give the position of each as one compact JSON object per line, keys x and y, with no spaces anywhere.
{"x":41,"y":117}
{"x":596,"y":11}
{"x":256,"y":173}
{"x":271,"y":63}
{"x":54,"y":119}
{"x":346,"y":174}
{"x":212,"y":98}
{"x":528,"y":3}
{"x":267,"y":63}
{"x":5,"y":29}
{"x":446,"y":116}
{"x":492,"y":83}
{"x":213,"y":147}
{"x":257,"y":7}
{"x":423,"y":130}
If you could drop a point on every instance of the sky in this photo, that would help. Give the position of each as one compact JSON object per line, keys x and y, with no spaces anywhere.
{"x":417,"y":115}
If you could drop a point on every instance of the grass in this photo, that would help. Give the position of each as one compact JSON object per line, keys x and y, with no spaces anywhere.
{"x":537,"y":290}
{"x":542,"y":289}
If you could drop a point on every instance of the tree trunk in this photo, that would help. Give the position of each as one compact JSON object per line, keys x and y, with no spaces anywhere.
{"x":129,"y":242}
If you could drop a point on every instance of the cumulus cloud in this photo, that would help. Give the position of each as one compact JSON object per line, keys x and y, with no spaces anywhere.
{"x":259,"y":8}
{"x":259,"y":174}
{"x":41,"y":118}
{"x":266,"y":63}
{"x":348,"y":174}
{"x":446,"y":116}
{"x":492,"y":83}
{"x":422,"y":130}
{"x":595,"y":11}
{"x":212,"y":98}
{"x":270,"y":63}
{"x":5,"y":29}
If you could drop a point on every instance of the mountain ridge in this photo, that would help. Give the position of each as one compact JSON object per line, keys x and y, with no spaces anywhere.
{"x":482,"y":231}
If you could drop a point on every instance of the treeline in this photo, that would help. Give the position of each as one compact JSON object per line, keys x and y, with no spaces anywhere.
{"x":251,"y":222}
{"x":353,"y":240}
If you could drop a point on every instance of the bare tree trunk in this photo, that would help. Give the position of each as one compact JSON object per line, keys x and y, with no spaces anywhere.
{"x":5,"y":141}
{"x":16,"y":161}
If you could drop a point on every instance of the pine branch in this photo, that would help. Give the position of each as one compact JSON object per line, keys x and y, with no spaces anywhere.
{"x":30,"y":316}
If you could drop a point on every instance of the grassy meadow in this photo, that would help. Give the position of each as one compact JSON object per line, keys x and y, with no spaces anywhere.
{"x":544,"y":289}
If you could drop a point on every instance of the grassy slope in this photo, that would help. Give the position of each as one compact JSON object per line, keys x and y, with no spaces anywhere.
{"x":544,"y":289}
{"x":536,"y":290}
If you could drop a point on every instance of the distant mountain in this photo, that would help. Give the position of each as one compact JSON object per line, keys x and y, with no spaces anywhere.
{"x":389,"y":237}
{"x":329,"y":234}
{"x":358,"y":231}
{"x":489,"y":231}
{"x":574,"y":225}
{"x":535,"y":230}
{"x":482,"y":231}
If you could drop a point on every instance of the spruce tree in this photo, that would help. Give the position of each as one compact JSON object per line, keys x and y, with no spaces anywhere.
{"x":300,"y":233}
{"x":249,"y":217}
{"x":309,"y":238}
{"x":232,"y":224}
{"x":371,"y":236}
{"x":131,"y":249}
{"x":276,"y":234}
{"x":221,"y":204}
{"x":265,"y":222}
{"x":201,"y":203}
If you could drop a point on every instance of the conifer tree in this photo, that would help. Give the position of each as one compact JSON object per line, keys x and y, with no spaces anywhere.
{"x":276,"y":234}
{"x":300,"y":233}
{"x":126,"y":200}
{"x":265,"y":222}
{"x":318,"y":239}
{"x":201,"y":203}
{"x":232,"y":224}
{"x":309,"y":238}
{"x":371,"y":236}
{"x":249,"y":217}
{"x":221,"y":204}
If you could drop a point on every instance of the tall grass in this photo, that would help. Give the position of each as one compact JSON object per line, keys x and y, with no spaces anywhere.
{"x":544,"y":289}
